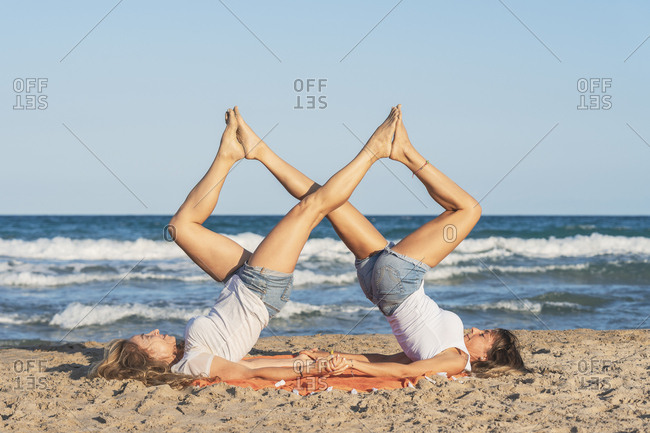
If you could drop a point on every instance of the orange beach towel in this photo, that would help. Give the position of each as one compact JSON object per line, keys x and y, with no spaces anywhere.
{"x":306,"y":385}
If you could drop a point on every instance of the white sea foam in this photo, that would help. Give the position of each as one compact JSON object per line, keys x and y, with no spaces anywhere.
{"x":326,"y":249}
{"x":75,"y":312}
{"x":105,"y":314}
{"x":525,"y":306}
{"x":16,"y":319}
{"x":575,"y":246}
{"x":60,"y":248}
{"x":309,"y":277}
{"x":513,"y":305}
{"x":292,"y":309}
{"x":42,"y":277}
{"x":442,"y":272}
{"x":35,"y":279}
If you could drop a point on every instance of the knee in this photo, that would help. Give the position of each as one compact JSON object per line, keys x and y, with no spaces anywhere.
{"x":312,"y":205}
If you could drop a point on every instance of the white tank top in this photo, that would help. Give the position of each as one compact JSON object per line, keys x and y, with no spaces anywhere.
{"x":230,"y":330}
{"x":423,"y":329}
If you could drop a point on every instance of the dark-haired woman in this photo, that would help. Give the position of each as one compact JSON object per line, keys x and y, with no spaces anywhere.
{"x":392,"y":277}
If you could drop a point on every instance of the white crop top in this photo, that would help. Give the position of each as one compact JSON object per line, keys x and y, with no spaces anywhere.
{"x":423,"y":329}
{"x":230,"y":330}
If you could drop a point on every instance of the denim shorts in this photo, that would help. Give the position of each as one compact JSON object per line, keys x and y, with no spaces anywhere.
{"x":387,"y":278}
{"x":272,"y":287}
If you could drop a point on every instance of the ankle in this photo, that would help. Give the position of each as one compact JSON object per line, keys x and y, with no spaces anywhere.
{"x":262,"y":152}
{"x":226,"y":158}
{"x":412,"y":158}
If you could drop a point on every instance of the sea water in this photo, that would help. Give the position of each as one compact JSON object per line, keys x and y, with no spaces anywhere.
{"x":78,"y":278}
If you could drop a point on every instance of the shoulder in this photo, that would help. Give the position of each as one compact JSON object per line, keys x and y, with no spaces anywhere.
{"x":194,"y":363}
{"x":453,"y":360}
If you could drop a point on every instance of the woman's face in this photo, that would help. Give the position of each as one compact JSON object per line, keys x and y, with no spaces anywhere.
{"x":478,"y":342}
{"x":158,"y":346}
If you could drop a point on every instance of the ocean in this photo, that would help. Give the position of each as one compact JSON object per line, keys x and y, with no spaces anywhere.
{"x":79,"y":278}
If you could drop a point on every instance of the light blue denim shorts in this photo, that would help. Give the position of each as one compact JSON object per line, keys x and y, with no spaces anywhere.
{"x":272,"y":287}
{"x":387,"y":278}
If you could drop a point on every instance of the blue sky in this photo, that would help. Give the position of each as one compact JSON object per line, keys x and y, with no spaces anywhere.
{"x":481,"y":83}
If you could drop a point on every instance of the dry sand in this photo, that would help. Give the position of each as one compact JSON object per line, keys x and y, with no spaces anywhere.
{"x":581,"y":381}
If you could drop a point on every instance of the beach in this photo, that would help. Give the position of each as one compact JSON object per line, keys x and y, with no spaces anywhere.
{"x":575,"y":289}
{"x":516,"y":272}
{"x":581,"y":380}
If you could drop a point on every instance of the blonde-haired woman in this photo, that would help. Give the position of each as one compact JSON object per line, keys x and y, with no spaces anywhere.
{"x":257,"y":284}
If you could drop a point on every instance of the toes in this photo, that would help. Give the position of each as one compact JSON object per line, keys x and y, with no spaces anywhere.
{"x":391,"y":114}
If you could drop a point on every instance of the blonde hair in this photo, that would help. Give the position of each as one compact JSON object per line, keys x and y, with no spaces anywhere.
{"x":124,"y":359}
{"x":503,"y":357}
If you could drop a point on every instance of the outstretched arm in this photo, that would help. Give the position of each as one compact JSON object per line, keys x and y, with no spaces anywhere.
{"x":400,"y":357}
{"x":269,"y":369}
{"x":277,"y":362}
{"x":448,"y":362}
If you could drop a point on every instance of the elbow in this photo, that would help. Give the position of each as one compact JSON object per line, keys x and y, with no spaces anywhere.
{"x":171,"y":229}
{"x":470,"y":206}
{"x":473,"y":211}
{"x":174,"y":221}
{"x":477,"y":210}
{"x":403,"y":372}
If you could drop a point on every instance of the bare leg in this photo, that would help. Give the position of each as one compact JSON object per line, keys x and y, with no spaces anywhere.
{"x":436,"y":239}
{"x":214,"y":253}
{"x":279,"y":251}
{"x":354,"y":229}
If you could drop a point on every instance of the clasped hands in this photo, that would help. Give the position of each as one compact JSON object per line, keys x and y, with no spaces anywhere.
{"x":323,"y":363}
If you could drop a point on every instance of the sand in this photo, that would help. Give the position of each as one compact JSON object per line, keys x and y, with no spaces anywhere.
{"x":581,"y":381}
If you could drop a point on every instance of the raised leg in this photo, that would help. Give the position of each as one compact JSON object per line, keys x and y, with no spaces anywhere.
{"x":436,"y":239}
{"x":216,"y":254}
{"x":279,"y":251}
{"x":354,"y":229}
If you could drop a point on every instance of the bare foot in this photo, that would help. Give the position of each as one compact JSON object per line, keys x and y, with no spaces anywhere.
{"x":230,"y":147}
{"x":379,"y":145}
{"x":253,"y":145}
{"x":401,"y":143}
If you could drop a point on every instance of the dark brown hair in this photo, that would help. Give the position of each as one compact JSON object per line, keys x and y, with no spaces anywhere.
{"x":503,"y":356}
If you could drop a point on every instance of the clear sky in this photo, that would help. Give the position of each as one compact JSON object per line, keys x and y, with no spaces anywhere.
{"x":481,"y":83}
